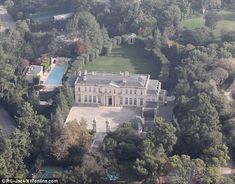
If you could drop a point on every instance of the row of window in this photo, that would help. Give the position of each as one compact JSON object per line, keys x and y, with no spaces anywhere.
{"x":95,"y":99}
{"x":89,"y":99}
{"x":130,"y":101}
{"x":122,"y":91}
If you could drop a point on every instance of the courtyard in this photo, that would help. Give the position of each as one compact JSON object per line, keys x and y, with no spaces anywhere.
{"x":114,"y":115}
{"x":129,"y":58}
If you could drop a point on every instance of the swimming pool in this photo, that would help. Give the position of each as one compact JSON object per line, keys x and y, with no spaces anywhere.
{"x":56,"y":75}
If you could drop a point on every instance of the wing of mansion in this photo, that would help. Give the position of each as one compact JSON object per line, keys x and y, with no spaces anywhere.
{"x":123,"y":89}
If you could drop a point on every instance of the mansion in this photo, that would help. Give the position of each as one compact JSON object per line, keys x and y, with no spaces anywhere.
{"x":123,"y":89}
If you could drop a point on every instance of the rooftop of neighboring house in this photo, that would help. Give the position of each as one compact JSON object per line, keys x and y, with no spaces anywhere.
{"x":34,"y":70}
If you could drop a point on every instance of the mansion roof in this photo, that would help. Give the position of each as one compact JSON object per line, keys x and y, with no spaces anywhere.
{"x":116,"y":80}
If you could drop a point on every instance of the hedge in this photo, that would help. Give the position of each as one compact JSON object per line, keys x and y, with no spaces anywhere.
{"x":125,"y":38}
{"x":165,"y":65}
{"x":86,"y":58}
{"x":91,"y":56}
{"x":119,"y":40}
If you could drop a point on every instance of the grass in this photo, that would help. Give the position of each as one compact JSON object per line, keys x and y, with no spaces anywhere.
{"x":193,"y":22}
{"x":226,"y":23}
{"x":125,"y":58}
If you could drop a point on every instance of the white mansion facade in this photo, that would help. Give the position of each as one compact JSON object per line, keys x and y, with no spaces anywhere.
{"x":107,"y":89}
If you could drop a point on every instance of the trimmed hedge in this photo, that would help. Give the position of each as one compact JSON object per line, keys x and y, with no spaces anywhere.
{"x":165,"y":65}
{"x":114,"y":42}
{"x":107,"y":49}
{"x":86,"y":58}
{"x":125,"y":38}
{"x":91,"y":56}
{"x":119,"y":40}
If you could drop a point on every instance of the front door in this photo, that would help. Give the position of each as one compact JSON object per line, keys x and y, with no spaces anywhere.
{"x":110,"y":101}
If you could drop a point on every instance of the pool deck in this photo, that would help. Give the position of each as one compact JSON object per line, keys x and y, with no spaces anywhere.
{"x":43,"y":79}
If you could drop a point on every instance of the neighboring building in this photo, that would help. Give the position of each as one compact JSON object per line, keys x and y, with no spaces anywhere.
{"x":62,"y":16}
{"x":106,"y":89}
{"x":34,"y":72}
{"x":131,"y":39}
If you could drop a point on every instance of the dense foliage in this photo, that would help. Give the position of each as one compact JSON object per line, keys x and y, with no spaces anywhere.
{"x":195,"y":68}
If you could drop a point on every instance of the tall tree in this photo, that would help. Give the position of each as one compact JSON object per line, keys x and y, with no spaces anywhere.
{"x":163,"y":133}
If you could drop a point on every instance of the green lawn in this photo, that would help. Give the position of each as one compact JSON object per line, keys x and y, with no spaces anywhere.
{"x":193,"y":22}
{"x":226,"y":23}
{"x":125,"y":58}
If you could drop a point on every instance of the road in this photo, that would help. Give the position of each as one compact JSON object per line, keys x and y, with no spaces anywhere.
{"x":7,"y":123}
{"x":6,"y":21}
{"x":230,"y":91}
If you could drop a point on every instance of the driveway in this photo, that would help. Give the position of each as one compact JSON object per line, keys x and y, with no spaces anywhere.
{"x":7,"y":123}
{"x":6,"y":21}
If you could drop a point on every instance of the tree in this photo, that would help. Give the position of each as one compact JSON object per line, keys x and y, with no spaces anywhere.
{"x":85,"y":26}
{"x":219,"y":75}
{"x":22,"y":27}
{"x":163,"y":133}
{"x":184,"y":170}
{"x":150,"y":165}
{"x":17,"y":149}
{"x":169,"y":17}
{"x":35,"y":124}
{"x":90,"y":172}
{"x":211,"y":19}
{"x":79,"y":48}
{"x":199,"y":128}
{"x":73,"y":134}
{"x":197,"y":36}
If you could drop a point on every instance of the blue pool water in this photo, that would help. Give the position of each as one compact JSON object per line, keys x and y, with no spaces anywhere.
{"x":56,"y":75}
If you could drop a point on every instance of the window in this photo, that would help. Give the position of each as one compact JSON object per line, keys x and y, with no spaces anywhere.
{"x":126,"y":101}
{"x":110,"y":91}
{"x":121,"y":91}
{"x":135,"y":101}
{"x":85,"y":97}
{"x":85,"y":88}
{"x":141,"y":101}
{"x":130,"y":101}
{"x":89,"y":89}
{"x":79,"y":89}
{"x":100,"y":90}
{"x":94,"y":99}
{"x":114,"y":91}
{"x":121,"y":101}
{"x":135,"y":92}
{"x":141,"y":92}
{"x":94,"y":89}
{"x":126,"y":91}
{"x":105,"y":90}
{"x":131,"y":92}
{"x":90,"y":98}
{"x":79,"y":98}
{"x":99,"y":99}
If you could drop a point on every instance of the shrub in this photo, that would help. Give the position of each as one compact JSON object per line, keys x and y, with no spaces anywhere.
{"x":119,"y":39}
{"x":91,"y":56}
{"x":124,"y":38}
